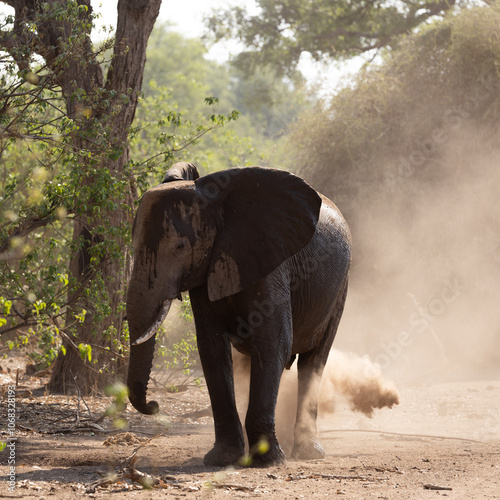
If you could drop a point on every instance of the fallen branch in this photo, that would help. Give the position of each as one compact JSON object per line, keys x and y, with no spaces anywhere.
{"x":236,"y":487}
{"x":24,"y":428}
{"x":434,"y":487}
{"x":130,"y":472}
{"x":60,"y":419}
{"x":44,"y":372}
{"x":89,"y":426}
{"x":206,"y":412}
{"x":337,"y":477}
{"x":352,"y":477}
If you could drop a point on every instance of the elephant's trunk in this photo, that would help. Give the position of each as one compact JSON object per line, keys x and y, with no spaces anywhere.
{"x":141,"y":360}
{"x":142,"y":347}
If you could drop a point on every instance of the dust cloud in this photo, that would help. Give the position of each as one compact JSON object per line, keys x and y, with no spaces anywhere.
{"x":423,"y":300}
{"x":347,"y":378}
{"x":359,"y":381}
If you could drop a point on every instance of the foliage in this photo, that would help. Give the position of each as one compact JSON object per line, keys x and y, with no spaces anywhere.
{"x":119,"y":392}
{"x":178,"y":81}
{"x":177,"y":359}
{"x":160,"y":143}
{"x":281,"y":31}
{"x":398,"y":119}
{"x":178,"y":362}
{"x":41,"y":190}
{"x":61,"y":165}
{"x":186,"y":311}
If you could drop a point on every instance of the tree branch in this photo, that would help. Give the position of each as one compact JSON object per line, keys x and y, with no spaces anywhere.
{"x":11,"y":41}
{"x":26,"y":227}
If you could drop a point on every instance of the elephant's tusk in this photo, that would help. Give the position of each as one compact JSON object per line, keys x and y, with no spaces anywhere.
{"x":151,"y":331}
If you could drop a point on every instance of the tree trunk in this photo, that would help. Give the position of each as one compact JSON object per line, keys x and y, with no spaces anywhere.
{"x":70,"y":370}
{"x":105,"y":111}
{"x":135,"y":22}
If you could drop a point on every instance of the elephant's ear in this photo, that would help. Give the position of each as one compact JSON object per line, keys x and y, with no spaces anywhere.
{"x":266,"y":217}
{"x":182,"y":171}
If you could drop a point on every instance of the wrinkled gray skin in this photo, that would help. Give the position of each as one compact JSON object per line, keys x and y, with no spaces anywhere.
{"x":265,"y":259}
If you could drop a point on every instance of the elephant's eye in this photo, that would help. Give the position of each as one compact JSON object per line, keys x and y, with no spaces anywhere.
{"x":180,"y":246}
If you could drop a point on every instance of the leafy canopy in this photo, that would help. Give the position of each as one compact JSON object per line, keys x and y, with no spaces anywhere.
{"x":333,"y":29}
{"x":398,"y":118}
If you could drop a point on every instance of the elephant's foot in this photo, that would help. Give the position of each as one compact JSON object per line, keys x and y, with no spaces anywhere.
{"x":222,"y":455}
{"x":265,"y":452}
{"x":273,"y":456}
{"x":309,"y":449}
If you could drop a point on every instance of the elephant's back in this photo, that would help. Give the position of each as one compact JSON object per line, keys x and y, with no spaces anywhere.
{"x":328,"y":254}
{"x":331,"y":222}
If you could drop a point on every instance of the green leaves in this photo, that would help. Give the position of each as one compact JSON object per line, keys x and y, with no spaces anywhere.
{"x":5,"y":306}
{"x":178,"y":360}
{"x":173,"y":134}
{"x":85,"y":352}
{"x":281,"y":31}
{"x":119,"y":393}
{"x":81,"y":317}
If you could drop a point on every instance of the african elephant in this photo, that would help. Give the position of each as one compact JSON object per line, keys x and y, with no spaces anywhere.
{"x":182,"y":171}
{"x":265,"y":259}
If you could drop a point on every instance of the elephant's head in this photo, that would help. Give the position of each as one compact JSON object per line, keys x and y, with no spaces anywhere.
{"x":226,"y":231}
{"x":182,"y":171}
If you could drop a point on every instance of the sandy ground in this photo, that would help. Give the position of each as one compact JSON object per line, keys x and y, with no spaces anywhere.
{"x":443,"y":435}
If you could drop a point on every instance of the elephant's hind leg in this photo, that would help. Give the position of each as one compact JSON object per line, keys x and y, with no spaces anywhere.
{"x":310,"y":368}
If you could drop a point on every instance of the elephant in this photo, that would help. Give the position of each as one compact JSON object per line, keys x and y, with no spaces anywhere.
{"x":265,"y":259}
{"x":182,"y":171}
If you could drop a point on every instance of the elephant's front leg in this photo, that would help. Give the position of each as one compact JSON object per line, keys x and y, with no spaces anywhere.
{"x":215,"y":354}
{"x":271,"y":350}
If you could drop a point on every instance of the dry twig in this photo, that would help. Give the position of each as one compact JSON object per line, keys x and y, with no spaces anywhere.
{"x":353,"y":477}
{"x":128,"y":471}
{"x":87,"y":426}
{"x":435,"y":487}
{"x":236,"y":487}
{"x":403,"y":434}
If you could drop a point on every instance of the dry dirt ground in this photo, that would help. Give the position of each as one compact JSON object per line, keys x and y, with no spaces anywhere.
{"x":444,"y":435}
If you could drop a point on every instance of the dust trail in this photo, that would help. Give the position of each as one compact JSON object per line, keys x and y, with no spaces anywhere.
{"x":359,"y":381}
{"x":347,"y":377}
{"x":423,"y":298}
